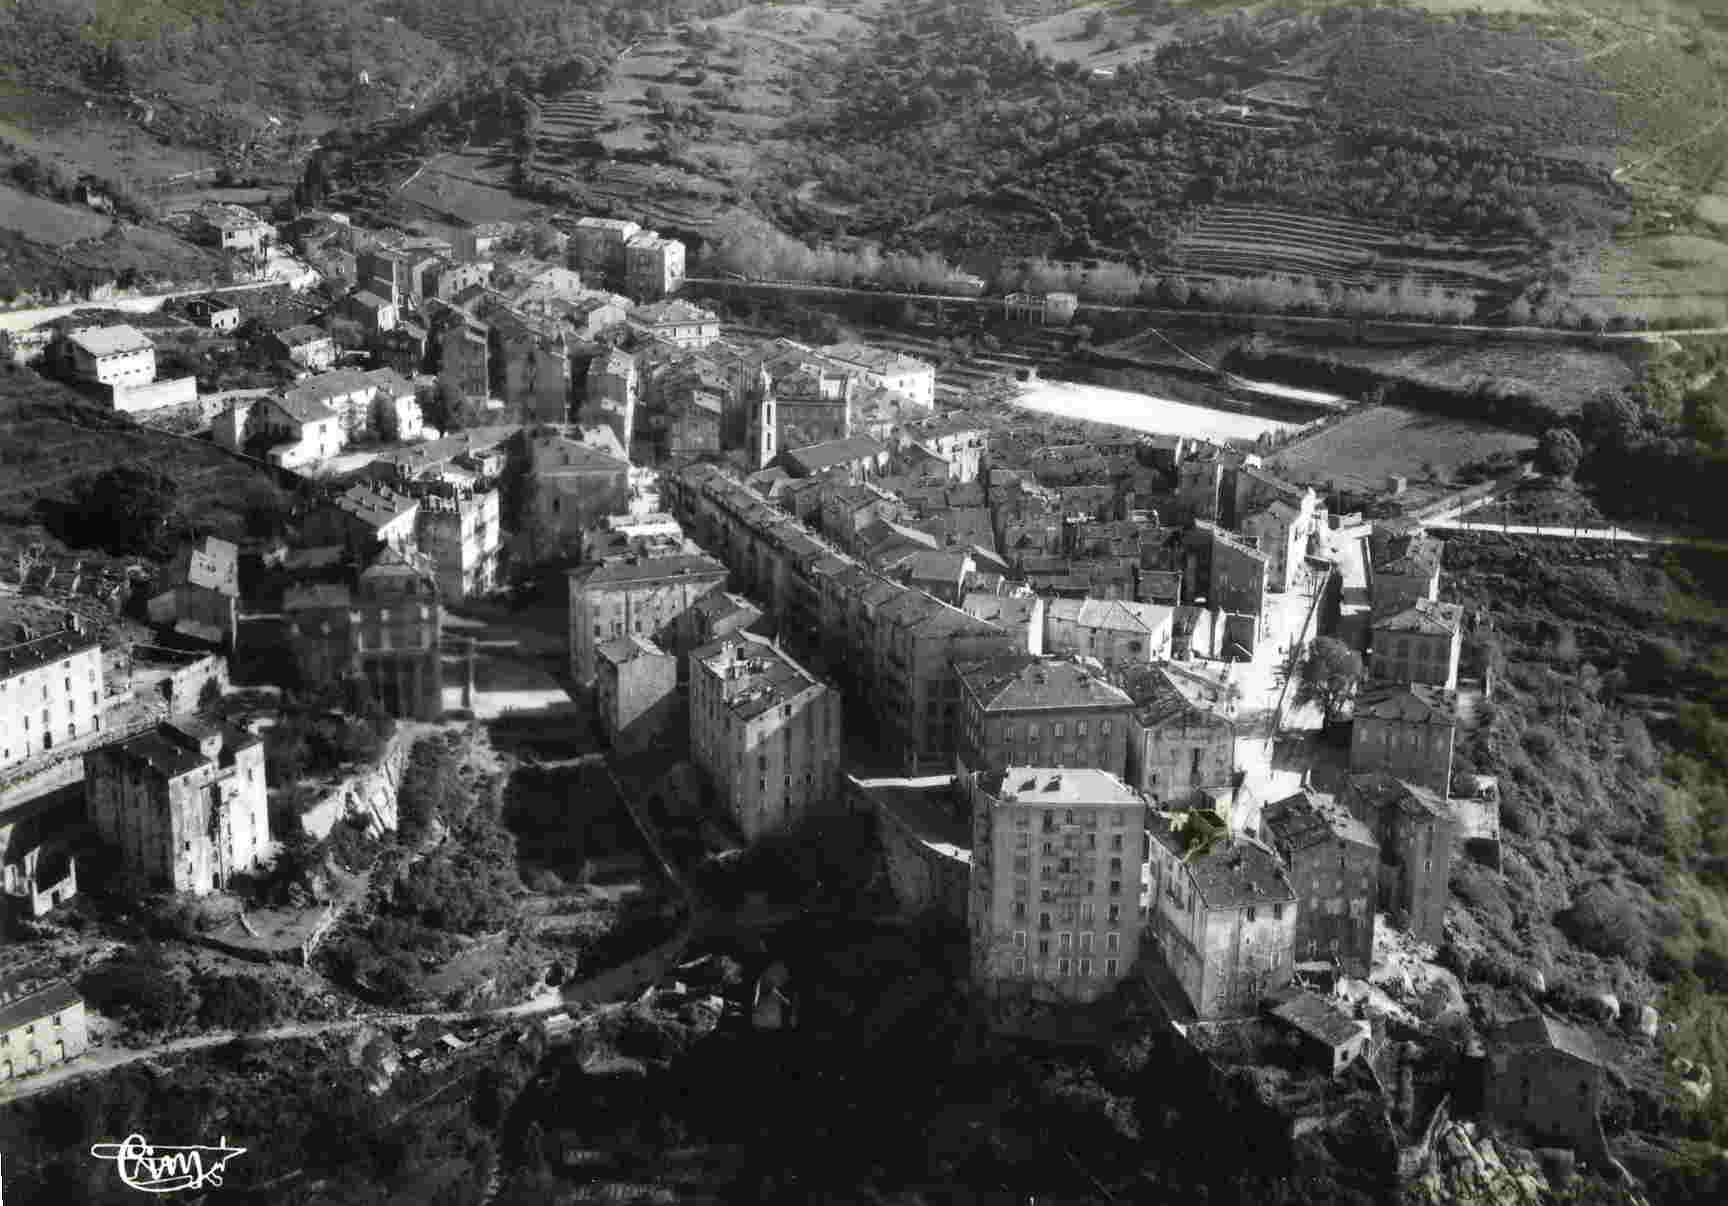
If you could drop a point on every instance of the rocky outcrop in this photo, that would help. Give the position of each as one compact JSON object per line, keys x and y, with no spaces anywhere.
{"x":369,"y":794}
{"x":1457,"y":1165}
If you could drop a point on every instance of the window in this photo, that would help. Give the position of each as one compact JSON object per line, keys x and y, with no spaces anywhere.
{"x":1115,"y":841}
{"x":1115,"y":914}
{"x":1020,"y":966}
{"x":1277,"y":912}
{"x":1087,"y":908}
{"x":1031,"y":732}
{"x":1043,"y":947}
{"x":1065,"y":941}
{"x":1063,"y":966}
{"x":1104,"y":727}
{"x":1250,"y":912}
{"x":1110,"y":966}
{"x":1020,"y":940}
{"x":1112,"y":942}
{"x":1115,"y":887}
{"x":1079,"y":729}
{"x":1020,"y":911}
{"x":1086,"y":942}
{"x":1044,"y":922}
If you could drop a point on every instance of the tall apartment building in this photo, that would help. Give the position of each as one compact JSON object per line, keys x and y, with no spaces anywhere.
{"x":1031,"y":711}
{"x":635,"y":689}
{"x":386,"y":627}
{"x":1416,"y":834}
{"x":653,"y":266}
{"x":634,"y":596}
{"x":614,"y":384}
{"x":1406,"y":730}
{"x":461,"y":530}
{"x":1334,"y":867}
{"x":573,"y":488}
{"x":1057,"y":857}
{"x":598,"y":245}
{"x":1222,"y":913}
{"x":766,"y":731}
{"x":184,"y":804}
{"x":50,"y":694}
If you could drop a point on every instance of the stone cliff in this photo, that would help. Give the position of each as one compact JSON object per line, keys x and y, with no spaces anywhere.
{"x":369,"y":794}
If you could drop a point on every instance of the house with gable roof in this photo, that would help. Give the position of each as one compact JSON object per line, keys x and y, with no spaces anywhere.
{"x":1179,"y":743}
{"x":1417,"y":835}
{"x":1420,"y":643}
{"x":1547,"y":1078}
{"x":1032,"y":711}
{"x":1115,"y":631}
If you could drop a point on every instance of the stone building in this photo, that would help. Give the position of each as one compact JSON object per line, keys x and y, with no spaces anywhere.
{"x":1223,"y":571}
{"x":386,"y":627}
{"x":676,"y":322}
{"x":1178,"y":745}
{"x":1419,"y":644}
{"x":613,"y":387}
{"x":461,"y":531}
{"x":51,"y":690}
{"x":1117,"y":632}
{"x":465,"y":357}
{"x":1027,"y":711}
{"x":40,"y":1028}
{"x":184,"y":804}
{"x":364,"y":518}
{"x":1222,"y":913}
{"x":636,"y":691}
{"x":719,"y":615}
{"x":1547,"y":1079}
{"x":1057,"y":862}
{"x":599,"y":245}
{"x":766,"y":731}
{"x":1334,"y":867}
{"x":573,"y":487}
{"x":653,"y":266}
{"x":1408,"y":731}
{"x":634,"y":596}
{"x":1405,"y":567}
{"x":1416,"y":835}
{"x":38,"y":866}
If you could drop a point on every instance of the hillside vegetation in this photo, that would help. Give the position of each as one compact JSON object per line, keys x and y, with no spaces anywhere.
{"x":1607,"y":736}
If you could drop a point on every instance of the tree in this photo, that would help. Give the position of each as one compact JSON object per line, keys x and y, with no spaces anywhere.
{"x":1559,"y":453}
{"x":1330,"y":673}
{"x":123,"y":510}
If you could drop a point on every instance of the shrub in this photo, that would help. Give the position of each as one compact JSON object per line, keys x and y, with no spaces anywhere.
{"x":1603,"y":921}
{"x":238,"y":1003}
{"x":1540,"y":742}
{"x":142,"y":991}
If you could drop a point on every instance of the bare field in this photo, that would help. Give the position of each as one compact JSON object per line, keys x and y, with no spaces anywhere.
{"x":1363,"y":449}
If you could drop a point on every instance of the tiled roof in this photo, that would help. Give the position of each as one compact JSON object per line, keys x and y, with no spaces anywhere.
{"x":1317,"y":1018}
{"x":766,"y":677}
{"x":1540,"y":1030}
{"x":674,"y":311}
{"x":628,"y":648}
{"x":374,"y":507}
{"x":637,"y":571}
{"x":298,"y":336}
{"x":881,"y":361}
{"x":1160,"y":700}
{"x":816,"y":457}
{"x":1424,"y":617}
{"x":317,"y":596}
{"x":1381,"y":790}
{"x":42,"y":1003}
{"x":1026,"y":682}
{"x":1005,"y":610}
{"x":1309,"y":819}
{"x":1230,"y":872}
{"x":43,"y":651}
{"x":1409,"y":703}
{"x":1115,"y":615}
{"x":110,"y":341}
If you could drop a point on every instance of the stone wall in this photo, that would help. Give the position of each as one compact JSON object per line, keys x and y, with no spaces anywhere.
{"x":370,"y":795}
{"x":922,"y":878}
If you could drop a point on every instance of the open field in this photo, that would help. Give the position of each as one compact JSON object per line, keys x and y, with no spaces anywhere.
{"x":1557,"y":376}
{"x":1140,"y":412}
{"x":1674,"y":277}
{"x":50,"y":223}
{"x":1361,"y":450}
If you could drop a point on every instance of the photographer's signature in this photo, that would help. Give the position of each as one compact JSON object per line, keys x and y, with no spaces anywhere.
{"x":152,"y":1169}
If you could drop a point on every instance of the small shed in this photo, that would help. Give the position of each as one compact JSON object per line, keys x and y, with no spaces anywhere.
{"x":1331,"y":1036}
